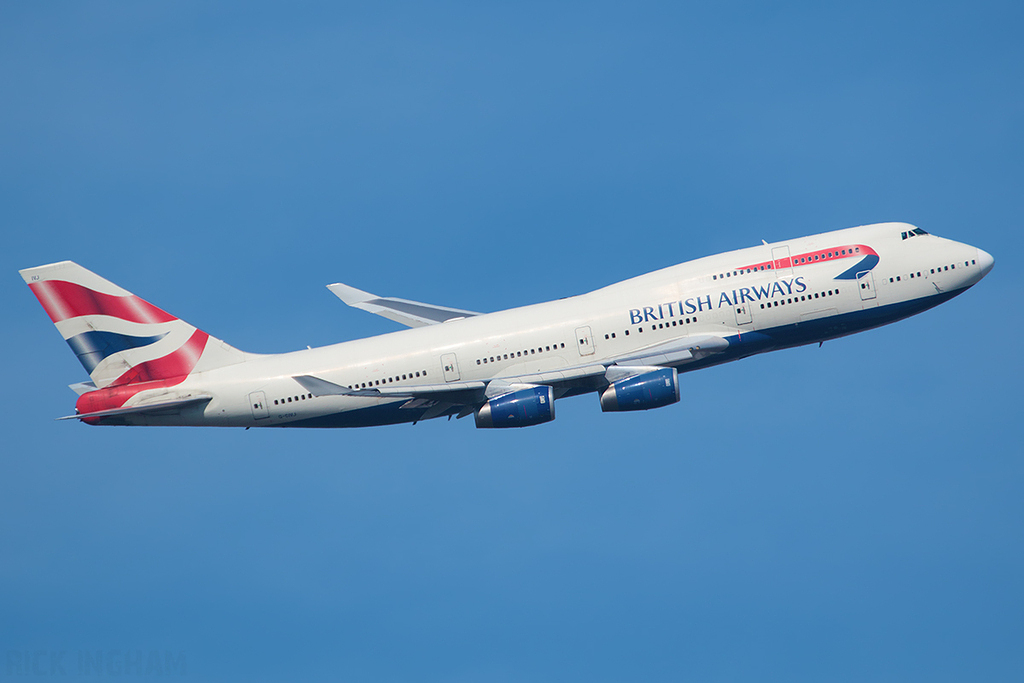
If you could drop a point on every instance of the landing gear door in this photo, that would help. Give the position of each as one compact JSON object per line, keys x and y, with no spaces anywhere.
{"x":258,"y":401}
{"x":585,"y":341}
{"x":866,"y":285}
{"x":450,"y":367}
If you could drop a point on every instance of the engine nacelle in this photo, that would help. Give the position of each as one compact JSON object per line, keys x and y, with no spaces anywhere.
{"x":523,"y":408}
{"x":652,"y":389}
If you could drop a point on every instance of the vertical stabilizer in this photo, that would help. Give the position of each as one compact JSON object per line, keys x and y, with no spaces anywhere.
{"x":118,"y":337}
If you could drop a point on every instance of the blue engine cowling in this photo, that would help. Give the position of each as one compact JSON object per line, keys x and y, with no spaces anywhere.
{"x":650,"y":390}
{"x":521,"y":408}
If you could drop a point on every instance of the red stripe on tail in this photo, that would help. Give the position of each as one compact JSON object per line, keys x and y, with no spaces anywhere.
{"x":175,"y":364}
{"x":63,"y":300}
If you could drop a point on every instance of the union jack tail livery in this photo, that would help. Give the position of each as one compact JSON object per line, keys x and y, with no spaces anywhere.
{"x":119,"y":338}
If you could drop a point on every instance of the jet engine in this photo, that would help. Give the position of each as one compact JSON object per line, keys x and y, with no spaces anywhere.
{"x":522,"y":408}
{"x":652,"y":389}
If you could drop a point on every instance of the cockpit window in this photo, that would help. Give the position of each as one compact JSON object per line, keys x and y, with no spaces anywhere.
{"x":913,"y":233}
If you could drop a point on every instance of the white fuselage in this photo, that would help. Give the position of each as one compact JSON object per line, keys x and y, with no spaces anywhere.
{"x":784,"y":304}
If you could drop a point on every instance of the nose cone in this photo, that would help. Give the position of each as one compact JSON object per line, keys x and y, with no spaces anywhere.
{"x":985,"y":262}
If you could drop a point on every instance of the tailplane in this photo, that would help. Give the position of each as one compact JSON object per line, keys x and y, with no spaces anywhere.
{"x":118,"y":337}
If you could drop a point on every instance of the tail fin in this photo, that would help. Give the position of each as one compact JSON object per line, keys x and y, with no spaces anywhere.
{"x":119,"y":338}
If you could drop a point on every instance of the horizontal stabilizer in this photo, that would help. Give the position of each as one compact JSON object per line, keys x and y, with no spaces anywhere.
{"x":82,"y":387}
{"x":140,"y":409}
{"x":408,"y":313}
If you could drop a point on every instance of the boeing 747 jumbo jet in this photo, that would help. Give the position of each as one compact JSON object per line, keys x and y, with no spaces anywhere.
{"x":627,"y":342}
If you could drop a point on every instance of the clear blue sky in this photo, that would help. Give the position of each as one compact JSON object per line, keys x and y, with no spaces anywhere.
{"x":846,"y":513}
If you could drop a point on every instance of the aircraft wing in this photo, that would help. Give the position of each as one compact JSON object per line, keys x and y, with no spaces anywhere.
{"x":590,"y":376}
{"x":409,"y":313}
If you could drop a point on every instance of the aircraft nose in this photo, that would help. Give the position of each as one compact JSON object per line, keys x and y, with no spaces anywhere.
{"x":985,"y":261}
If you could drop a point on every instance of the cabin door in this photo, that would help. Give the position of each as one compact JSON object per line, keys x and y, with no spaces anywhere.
{"x":743,"y":313}
{"x":585,"y":341}
{"x":866,"y":285}
{"x":781,"y":263}
{"x":450,"y":366}
{"x":258,"y":401}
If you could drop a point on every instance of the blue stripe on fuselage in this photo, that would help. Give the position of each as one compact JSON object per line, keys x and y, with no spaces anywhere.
{"x":820,"y":329}
{"x":866,"y":263}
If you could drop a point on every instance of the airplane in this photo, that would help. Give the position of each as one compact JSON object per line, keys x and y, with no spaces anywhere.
{"x":627,"y":342}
